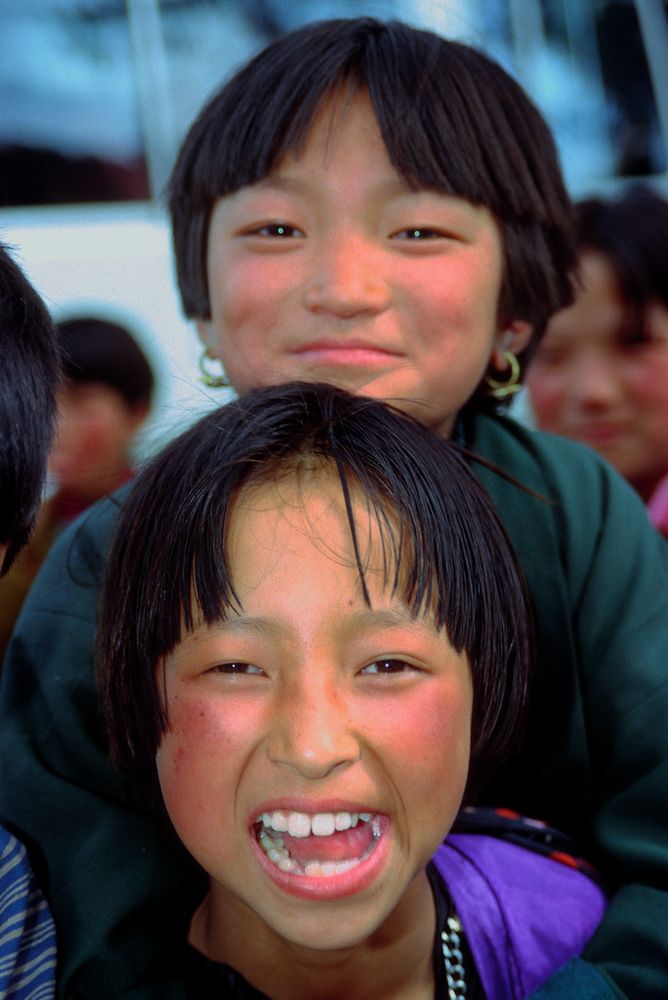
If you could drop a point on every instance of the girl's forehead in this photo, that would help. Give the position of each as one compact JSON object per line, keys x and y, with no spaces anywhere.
{"x":305,"y":512}
{"x":300,"y":501}
{"x":303,"y":523}
{"x":297,"y":567}
{"x":344,"y":117}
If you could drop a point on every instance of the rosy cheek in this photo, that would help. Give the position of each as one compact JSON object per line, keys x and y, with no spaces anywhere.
{"x":649,"y":382}
{"x":236,"y":305}
{"x":441,"y":741}
{"x":436,"y":731}
{"x":187,"y":754}
{"x":448,"y":737}
{"x":547,"y":396}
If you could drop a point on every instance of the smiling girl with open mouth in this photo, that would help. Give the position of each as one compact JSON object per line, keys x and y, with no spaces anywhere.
{"x":334,"y":641}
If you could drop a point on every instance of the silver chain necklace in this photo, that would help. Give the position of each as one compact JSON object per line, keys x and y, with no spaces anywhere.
{"x":451,"y":943}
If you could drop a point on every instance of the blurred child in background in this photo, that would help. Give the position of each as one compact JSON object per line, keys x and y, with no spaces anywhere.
{"x":600,"y":375}
{"x":104,"y":400}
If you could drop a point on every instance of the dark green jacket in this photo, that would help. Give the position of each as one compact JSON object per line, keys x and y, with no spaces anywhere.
{"x":595,"y":761}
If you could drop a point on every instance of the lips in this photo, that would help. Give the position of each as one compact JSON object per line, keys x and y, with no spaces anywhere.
{"x":345,"y":351}
{"x":599,"y":434}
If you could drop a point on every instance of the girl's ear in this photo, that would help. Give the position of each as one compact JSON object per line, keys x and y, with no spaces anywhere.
{"x":514,"y":336}
{"x":138,"y":415}
{"x":207,"y":335}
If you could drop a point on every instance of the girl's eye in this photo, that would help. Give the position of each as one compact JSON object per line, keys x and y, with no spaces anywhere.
{"x":419,"y":233}
{"x":236,"y":667}
{"x":551,"y":356}
{"x":387,"y":666}
{"x":278,"y":230}
{"x":635,"y":337}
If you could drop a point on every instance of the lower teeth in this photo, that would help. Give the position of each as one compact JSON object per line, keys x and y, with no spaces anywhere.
{"x":273,"y":846}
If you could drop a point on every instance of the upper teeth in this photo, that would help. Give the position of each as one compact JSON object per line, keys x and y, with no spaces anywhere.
{"x":299,"y":824}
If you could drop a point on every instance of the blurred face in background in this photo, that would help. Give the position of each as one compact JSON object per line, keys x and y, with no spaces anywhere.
{"x":96,"y":426}
{"x":600,"y":376}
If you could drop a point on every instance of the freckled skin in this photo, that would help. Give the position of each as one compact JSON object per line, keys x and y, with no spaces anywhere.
{"x":313,"y":719}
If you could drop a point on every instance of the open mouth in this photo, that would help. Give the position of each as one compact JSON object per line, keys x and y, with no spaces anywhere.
{"x":318,"y":845}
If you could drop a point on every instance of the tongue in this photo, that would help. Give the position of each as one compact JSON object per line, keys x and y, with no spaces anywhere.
{"x":343,"y":845}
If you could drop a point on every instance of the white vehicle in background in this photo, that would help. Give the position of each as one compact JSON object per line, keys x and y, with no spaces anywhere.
{"x":96,"y":96}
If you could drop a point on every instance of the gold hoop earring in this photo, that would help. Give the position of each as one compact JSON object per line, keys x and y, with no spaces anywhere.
{"x":210,"y":379}
{"x":501,"y":390}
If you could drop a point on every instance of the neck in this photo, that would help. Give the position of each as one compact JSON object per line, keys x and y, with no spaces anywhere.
{"x":393,"y":963}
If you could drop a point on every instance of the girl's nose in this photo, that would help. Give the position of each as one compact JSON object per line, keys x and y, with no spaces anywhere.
{"x":346,"y":280}
{"x":312,"y":733}
{"x":594,"y":382}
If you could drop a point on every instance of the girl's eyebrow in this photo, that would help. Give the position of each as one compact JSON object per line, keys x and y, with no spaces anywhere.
{"x":369,"y":619}
{"x":388,"y":187}
{"x":239,"y":623}
{"x":384,"y":617}
{"x":363,"y":619}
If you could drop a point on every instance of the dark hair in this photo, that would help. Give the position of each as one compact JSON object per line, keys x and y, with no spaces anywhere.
{"x":452,"y":120}
{"x":631,"y":232}
{"x":97,"y":350}
{"x":446,"y":551}
{"x":29,"y":379}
